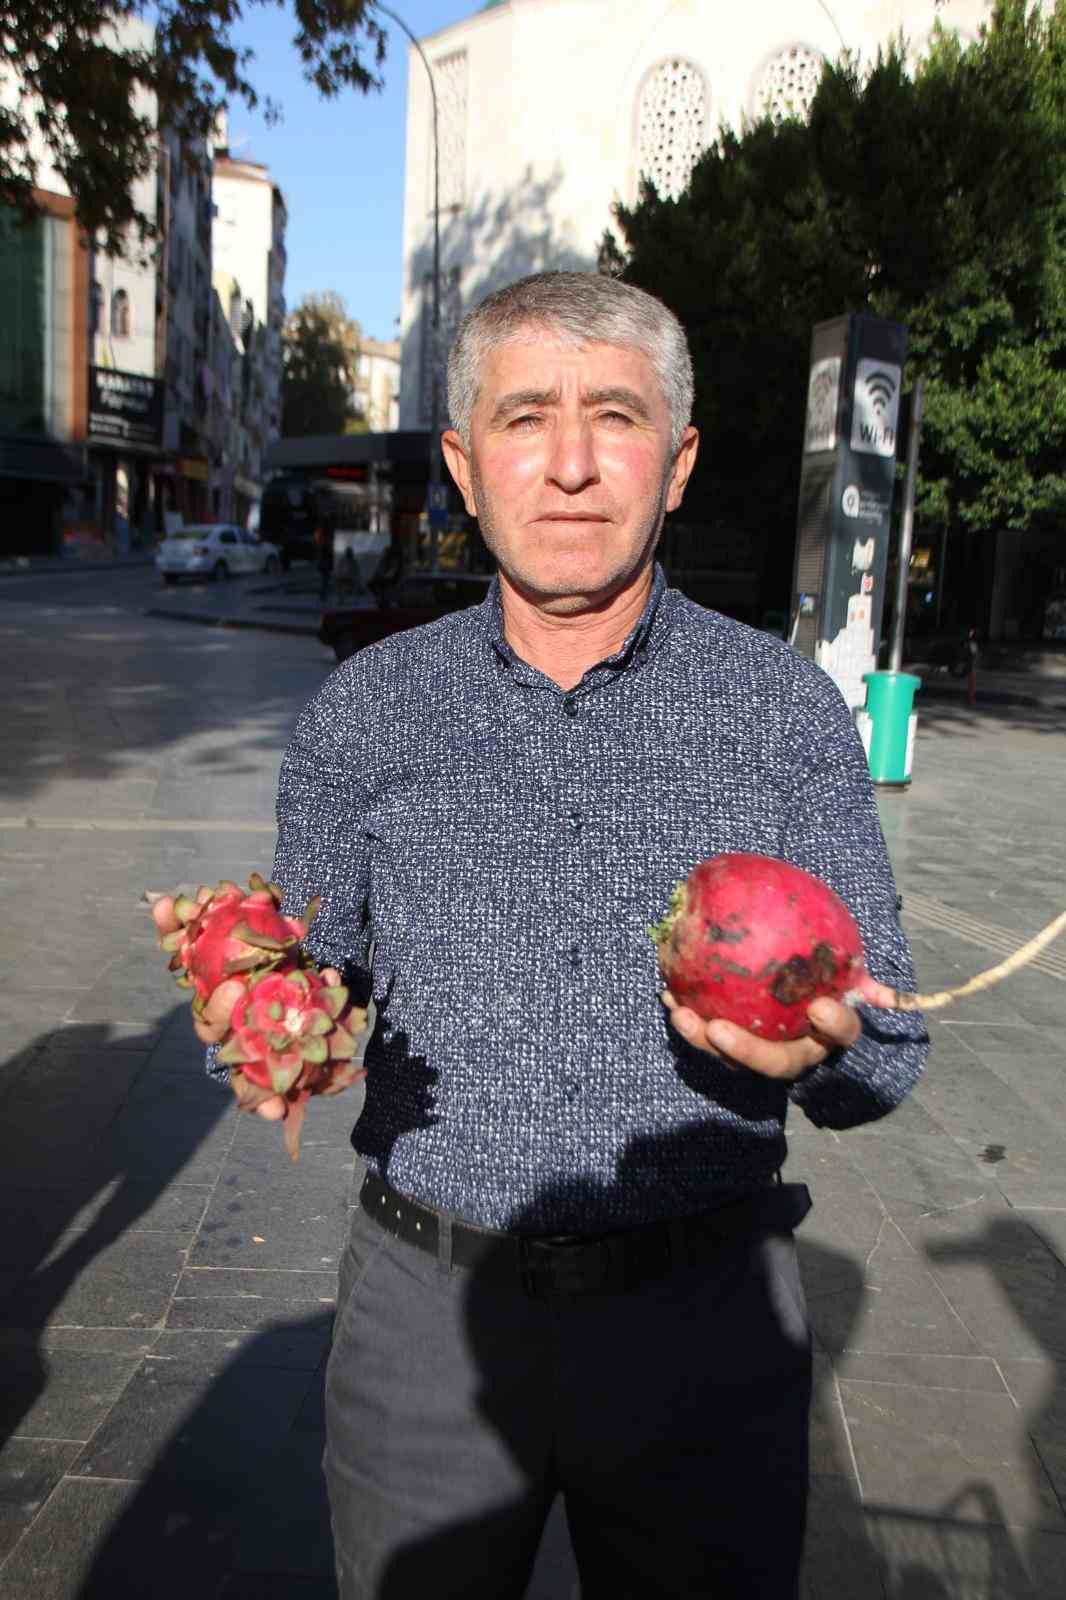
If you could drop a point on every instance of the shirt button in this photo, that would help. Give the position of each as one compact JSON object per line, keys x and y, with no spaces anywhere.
{"x":570,"y":707}
{"x":575,"y":955}
{"x":575,"y":819}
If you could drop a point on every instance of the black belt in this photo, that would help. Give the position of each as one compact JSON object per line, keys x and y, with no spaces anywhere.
{"x":586,"y":1264}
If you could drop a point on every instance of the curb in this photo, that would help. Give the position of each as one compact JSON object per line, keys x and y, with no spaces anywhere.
{"x":69,"y":569}
{"x":987,"y":697}
{"x":247,"y":623}
{"x":930,"y":690}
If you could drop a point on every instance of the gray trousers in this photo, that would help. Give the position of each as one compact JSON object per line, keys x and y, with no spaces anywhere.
{"x":671,"y":1416}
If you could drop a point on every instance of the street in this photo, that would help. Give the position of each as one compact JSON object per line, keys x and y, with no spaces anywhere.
{"x":166,"y":1276}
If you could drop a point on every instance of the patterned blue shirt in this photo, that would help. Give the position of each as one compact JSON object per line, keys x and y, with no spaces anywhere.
{"x":490,"y":850}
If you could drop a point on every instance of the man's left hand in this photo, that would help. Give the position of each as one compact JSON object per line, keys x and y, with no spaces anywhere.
{"x":834,"y":1025}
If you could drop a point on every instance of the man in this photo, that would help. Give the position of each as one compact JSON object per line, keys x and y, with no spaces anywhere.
{"x":572,"y":1266}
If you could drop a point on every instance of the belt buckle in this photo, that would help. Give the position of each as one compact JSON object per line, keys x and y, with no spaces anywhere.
{"x":563,"y":1266}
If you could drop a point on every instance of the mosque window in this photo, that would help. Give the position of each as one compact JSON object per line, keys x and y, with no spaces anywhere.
{"x":671,"y":125}
{"x":450,"y":76}
{"x":788,"y":83}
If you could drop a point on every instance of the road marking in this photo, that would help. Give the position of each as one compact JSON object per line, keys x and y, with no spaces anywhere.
{"x":134,"y":825}
{"x":1004,"y":941}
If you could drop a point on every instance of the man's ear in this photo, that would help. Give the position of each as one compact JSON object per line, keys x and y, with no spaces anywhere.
{"x":684,"y":461}
{"x":458,"y":464}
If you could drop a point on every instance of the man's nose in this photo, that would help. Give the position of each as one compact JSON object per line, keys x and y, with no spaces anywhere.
{"x":572,"y":463}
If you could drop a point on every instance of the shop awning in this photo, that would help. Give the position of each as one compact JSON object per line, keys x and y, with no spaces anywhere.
{"x":42,"y":460}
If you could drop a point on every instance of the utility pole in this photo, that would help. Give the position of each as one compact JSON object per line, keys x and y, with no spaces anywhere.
{"x":906,"y":528}
{"x":435,"y":488}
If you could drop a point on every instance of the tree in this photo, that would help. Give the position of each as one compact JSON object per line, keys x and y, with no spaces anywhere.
{"x":320,"y":350}
{"x":934,"y":196}
{"x":79,"y":86}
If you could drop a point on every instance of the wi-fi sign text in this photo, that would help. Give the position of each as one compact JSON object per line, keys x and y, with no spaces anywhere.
{"x":875,"y":407}
{"x":881,"y":387}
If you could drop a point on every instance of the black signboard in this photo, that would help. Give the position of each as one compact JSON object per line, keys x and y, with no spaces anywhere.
{"x":845,"y":500}
{"x":125,"y":408}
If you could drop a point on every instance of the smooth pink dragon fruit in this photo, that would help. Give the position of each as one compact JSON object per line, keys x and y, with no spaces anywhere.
{"x":229,"y":931}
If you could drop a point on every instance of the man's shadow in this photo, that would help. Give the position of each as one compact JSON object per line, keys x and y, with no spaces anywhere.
{"x":1031,"y":1274}
{"x":234,"y":1503}
{"x":95,"y":1131}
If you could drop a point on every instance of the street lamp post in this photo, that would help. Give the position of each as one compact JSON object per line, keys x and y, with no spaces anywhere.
{"x":435,"y":480}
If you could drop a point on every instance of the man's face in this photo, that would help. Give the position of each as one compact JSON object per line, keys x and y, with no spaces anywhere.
{"x":569,"y":469}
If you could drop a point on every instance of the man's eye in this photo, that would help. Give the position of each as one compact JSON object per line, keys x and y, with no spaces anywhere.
{"x":527,"y":420}
{"x":615,"y":417}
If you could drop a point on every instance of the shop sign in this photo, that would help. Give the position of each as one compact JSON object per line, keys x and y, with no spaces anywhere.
{"x":125,"y":408}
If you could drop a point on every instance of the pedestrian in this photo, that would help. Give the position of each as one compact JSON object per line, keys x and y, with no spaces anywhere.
{"x":572,"y":1267}
{"x":324,"y":550}
{"x":972,"y":653}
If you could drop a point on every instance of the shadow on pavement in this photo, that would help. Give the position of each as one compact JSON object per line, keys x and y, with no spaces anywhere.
{"x":233,"y":1502}
{"x":104,"y":1173}
{"x":107,"y":699}
{"x":206,"y":1479}
{"x":951,"y":716}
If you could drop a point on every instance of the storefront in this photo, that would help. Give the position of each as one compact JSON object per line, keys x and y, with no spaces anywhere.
{"x":125,"y":436}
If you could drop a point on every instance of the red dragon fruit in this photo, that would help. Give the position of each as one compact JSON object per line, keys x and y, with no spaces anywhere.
{"x":229,"y":931}
{"x":755,"y":940}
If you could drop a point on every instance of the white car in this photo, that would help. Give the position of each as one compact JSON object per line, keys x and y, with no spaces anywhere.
{"x":214,"y":550}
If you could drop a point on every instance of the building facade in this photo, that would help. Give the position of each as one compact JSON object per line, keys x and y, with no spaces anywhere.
{"x":248,"y":238}
{"x":537,"y":142}
{"x":80,"y":415}
{"x":136,"y":390}
{"x":44,"y":355}
{"x":377,"y":384}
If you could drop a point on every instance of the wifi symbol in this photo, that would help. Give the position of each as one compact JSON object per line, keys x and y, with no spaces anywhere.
{"x":881,"y":387}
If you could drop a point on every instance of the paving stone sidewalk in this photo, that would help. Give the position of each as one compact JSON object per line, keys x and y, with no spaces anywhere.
{"x":167,"y":1277}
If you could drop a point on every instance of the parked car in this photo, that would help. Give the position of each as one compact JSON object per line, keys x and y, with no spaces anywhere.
{"x":344,"y":629}
{"x":214,"y":550}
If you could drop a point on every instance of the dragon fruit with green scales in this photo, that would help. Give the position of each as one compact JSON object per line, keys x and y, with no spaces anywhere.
{"x":290,"y":1031}
{"x":229,"y":932}
{"x":293,"y":1034}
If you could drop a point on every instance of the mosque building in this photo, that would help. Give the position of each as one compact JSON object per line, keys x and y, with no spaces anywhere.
{"x":550,"y":111}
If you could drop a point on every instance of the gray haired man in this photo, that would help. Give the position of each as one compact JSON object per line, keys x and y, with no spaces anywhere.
{"x":572,"y":1268}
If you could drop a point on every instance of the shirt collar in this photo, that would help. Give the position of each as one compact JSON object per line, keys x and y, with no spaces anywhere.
{"x":651,"y":628}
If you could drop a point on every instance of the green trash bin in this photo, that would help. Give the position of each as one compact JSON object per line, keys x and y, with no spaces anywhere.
{"x":888,"y":725}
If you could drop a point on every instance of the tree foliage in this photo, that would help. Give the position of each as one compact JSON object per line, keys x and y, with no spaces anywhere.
{"x":934,"y":195}
{"x":320,"y":349}
{"x":80,"y":86}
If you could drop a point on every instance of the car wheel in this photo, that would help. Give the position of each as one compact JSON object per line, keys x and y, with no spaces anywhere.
{"x":170,"y":579}
{"x":271,"y":568}
{"x":220,"y":572}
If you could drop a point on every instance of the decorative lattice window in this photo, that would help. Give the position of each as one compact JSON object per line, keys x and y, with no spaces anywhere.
{"x":788,"y":84}
{"x":671,"y":125}
{"x":449,"y":77}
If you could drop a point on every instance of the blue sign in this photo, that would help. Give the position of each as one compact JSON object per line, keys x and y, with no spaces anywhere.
{"x":437,"y":505}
